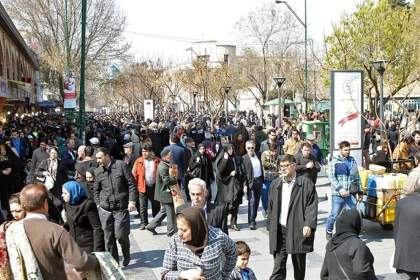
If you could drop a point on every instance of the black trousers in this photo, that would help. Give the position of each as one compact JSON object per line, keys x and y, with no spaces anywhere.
{"x":280,"y":260}
{"x":143,"y":200}
{"x":254,"y":195}
{"x":116,"y":226}
{"x":410,"y":275}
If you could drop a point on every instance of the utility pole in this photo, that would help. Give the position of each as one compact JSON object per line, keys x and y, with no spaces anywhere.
{"x":82,"y":73}
{"x":304,"y":24}
{"x":305,"y":92}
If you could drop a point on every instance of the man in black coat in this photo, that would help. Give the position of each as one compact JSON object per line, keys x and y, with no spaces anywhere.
{"x":115,"y":193}
{"x":254,"y":178}
{"x":306,"y":164}
{"x":292,"y":219}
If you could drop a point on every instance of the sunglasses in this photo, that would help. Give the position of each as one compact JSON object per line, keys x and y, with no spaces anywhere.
{"x":285,"y":165}
{"x":250,"y":148}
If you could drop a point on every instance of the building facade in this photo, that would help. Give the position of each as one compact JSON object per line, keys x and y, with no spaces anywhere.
{"x":19,"y":70}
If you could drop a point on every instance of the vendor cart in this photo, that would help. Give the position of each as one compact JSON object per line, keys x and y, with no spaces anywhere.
{"x":380,"y":196}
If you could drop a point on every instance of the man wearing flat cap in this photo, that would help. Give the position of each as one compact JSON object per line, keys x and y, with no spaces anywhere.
{"x":163,"y":194}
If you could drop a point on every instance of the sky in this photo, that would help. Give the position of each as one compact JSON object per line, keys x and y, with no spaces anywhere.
{"x":165,"y":28}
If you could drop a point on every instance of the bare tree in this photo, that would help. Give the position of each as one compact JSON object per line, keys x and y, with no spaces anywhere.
{"x":44,"y":23}
{"x":270,"y":36}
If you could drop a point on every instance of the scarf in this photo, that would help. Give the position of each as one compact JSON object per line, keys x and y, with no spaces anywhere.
{"x":5,"y":272}
{"x":199,"y":229}
{"x":76,"y":191}
{"x":23,"y":262}
{"x":225,"y":148}
{"x":348,"y":225}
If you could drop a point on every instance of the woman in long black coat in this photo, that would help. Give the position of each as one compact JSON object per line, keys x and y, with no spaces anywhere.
{"x":229,"y":186}
{"x":347,"y":256}
{"x":200,"y":167}
{"x":9,"y":178}
{"x":82,"y":218}
{"x":407,"y":228}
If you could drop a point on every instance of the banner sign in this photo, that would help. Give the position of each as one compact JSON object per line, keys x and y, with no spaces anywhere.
{"x":70,"y":91}
{"x":148,"y":109}
{"x":346,"y":109}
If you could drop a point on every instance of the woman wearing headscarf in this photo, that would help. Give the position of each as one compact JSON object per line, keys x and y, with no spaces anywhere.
{"x":82,"y":218}
{"x":347,"y":256}
{"x":52,"y":173}
{"x":200,"y":167}
{"x":7,"y":178}
{"x":198,"y":251}
{"x":18,"y":214}
{"x":228,"y":181}
{"x":90,"y":181}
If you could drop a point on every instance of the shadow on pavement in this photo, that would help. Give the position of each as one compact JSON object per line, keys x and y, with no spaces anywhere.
{"x":373,"y":232}
{"x":151,"y":259}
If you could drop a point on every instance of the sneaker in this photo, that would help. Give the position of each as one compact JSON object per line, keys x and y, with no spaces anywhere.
{"x":328,"y":235}
{"x":252,"y":227}
{"x":152,"y":230}
{"x":235,"y":228}
{"x":142,"y":227}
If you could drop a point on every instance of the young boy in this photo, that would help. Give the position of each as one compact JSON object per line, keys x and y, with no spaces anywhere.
{"x":241,"y":270}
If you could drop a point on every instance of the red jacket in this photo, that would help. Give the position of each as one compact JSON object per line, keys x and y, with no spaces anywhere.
{"x":139,"y":172}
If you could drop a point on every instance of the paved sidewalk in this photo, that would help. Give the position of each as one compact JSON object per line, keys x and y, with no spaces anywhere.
{"x":148,"y":250}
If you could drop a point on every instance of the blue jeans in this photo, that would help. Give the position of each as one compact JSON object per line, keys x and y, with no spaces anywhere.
{"x":338,"y":203}
{"x":264,"y":194}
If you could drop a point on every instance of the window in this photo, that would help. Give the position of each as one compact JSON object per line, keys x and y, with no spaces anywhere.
{"x":226,"y":58}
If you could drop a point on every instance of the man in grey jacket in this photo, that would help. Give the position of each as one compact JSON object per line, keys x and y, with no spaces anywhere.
{"x":38,"y":156}
{"x":115,"y":194}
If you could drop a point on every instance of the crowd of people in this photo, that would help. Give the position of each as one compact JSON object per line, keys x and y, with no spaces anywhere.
{"x":86,"y":186}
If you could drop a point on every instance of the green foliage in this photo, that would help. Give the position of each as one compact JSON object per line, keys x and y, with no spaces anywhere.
{"x":377,"y":30}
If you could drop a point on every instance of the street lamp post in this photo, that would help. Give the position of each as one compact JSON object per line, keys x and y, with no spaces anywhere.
{"x":305,"y":87}
{"x":279,"y":82}
{"x":227,"y":89}
{"x":379,"y":65}
{"x":195,"y":101}
{"x":82,"y":72}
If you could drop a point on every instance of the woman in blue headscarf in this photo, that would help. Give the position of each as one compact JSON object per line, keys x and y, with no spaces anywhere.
{"x":82,"y":218}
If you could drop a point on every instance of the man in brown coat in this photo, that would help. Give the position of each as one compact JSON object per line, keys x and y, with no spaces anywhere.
{"x":52,"y":244}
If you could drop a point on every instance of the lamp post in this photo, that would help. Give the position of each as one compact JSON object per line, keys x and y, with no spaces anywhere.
{"x":279,"y":82}
{"x":379,"y":65}
{"x":195,"y":101}
{"x":82,"y":73}
{"x":305,"y":87}
{"x":227,"y":89}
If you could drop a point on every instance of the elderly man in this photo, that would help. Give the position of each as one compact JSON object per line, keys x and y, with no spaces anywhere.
{"x":162,"y":194}
{"x":254,"y":178}
{"x":216,"y":215}
{"x":51,"y":244}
